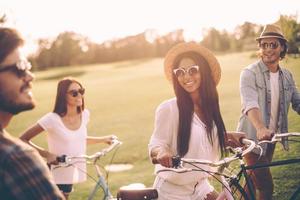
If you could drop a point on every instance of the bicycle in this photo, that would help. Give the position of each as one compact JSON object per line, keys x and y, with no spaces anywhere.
{"x":124,"y":193}
{"x":232,"y":188}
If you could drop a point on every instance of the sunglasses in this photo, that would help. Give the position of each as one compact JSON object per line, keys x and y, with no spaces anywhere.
{"x":271,"y":45}
{"x":180,"y":72}
{"x":20,"y":68}
{"x":75,"y":93}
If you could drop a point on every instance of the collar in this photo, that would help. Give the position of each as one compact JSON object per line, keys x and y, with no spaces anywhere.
{"x":264,"y":67}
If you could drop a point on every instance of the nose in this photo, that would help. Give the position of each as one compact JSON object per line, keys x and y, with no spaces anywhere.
{"x":187,"y":75}
{"x":29,"y":76}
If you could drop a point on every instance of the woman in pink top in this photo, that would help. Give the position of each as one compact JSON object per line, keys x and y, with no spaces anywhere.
{"x":66,"y":129}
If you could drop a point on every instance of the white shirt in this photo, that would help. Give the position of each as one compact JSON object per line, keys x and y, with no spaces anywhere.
{"x":165,"y":135}
{"x":274,"y":85}
{"x":63,"y":141}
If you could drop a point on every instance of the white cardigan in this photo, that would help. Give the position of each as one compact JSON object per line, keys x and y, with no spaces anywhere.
{"x":165,"y":135}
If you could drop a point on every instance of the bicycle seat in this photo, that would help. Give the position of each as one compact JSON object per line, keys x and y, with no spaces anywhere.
{"x":137,"y":194}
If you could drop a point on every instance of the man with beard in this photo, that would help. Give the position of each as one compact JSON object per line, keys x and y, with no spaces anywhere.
{"x":23,"y":174}
{"x":267,"y":90}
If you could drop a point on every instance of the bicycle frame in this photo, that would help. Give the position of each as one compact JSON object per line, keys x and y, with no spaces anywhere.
{"x":123,"y":193}
{"x":66,"y":161}
{"x":234,"y":178}
{"x":222,"y":165}
{"x":245,"y":168}
{"x":101,"y":183}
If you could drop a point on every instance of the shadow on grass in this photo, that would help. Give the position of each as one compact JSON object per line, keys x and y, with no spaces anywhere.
{"x":61,"y":75}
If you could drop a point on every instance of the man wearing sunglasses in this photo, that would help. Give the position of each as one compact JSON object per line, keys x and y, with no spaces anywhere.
{"x":23,"y":174}
{"x":267,"y":90}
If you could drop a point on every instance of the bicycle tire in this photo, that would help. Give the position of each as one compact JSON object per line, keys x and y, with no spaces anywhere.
{"x":238,"y":192}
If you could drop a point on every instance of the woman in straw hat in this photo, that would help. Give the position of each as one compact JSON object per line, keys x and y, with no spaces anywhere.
{"x":189,"y":125}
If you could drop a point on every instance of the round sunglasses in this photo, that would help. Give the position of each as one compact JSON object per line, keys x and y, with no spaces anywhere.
{"x":271,"y":45}
{"x":20,"y":68}
{"x":180,"y":72}
{"x":75,"y":93}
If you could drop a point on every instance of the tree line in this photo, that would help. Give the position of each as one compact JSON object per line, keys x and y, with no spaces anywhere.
{"x":70,"y":48}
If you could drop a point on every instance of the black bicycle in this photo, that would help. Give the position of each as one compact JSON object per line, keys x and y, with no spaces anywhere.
{"x":232,"y":176}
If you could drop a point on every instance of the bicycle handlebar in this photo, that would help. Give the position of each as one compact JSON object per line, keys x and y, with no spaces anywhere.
{"x":178,"y":161}
{"x":277,"y":137}
{"x":239,"y":152}
{"x":103,"y":152}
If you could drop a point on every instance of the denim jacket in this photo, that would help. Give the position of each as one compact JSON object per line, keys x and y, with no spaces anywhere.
{"x":256,"y":93}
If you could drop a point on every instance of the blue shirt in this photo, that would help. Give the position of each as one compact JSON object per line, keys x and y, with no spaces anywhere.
{"x":256,"y":93}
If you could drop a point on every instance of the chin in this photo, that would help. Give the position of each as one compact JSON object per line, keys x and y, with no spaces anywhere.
{"x":15,"y":109}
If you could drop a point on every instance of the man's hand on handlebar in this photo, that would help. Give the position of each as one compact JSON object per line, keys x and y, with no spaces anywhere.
{"x":264,"y":134}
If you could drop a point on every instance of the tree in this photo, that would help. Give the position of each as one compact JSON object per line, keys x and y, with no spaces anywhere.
{"x":67,"y":49}
{"x":216,"y":40}
{"x":245,"y":35}
{"x":290,"y":29}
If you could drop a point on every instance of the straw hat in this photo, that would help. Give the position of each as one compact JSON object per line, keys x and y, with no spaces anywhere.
{"x":271,"y":31}
{"x":194,"y":47}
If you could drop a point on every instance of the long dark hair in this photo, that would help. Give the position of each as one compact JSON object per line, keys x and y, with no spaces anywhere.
{"x":209,"y":104}
{"x":60,"y":106}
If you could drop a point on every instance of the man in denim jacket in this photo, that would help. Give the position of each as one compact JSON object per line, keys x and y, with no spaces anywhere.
{"x":267,"y":90}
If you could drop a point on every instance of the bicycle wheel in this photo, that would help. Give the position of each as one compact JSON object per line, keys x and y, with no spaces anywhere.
{"x":238,"y":192}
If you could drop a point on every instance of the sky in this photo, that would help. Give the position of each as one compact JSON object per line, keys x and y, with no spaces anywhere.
{"x":102,"y":20}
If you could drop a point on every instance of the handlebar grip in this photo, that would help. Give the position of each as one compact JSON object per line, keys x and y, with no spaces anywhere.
{"x":241,"y":140}
{"x":61,"y":159}
{"x":176,"y":161}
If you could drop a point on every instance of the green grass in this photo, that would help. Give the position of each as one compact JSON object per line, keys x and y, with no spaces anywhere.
{"x":122,"y":98}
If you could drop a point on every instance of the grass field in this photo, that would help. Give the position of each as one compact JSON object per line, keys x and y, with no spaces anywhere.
{"x":122,"y":98}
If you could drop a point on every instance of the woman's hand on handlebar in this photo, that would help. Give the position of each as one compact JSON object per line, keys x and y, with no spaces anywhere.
{"x":163,"y":156}
{"x":51,"y":159}
{"x":109,"y":139}
{"x":234,"y":139}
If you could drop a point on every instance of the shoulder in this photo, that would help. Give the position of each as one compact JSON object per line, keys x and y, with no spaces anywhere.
{"x":12,"y":148}
{"x":285,"y":71}
{"x":50,"y":115}
{"x":253,"y":71}
{"x":48,"y":118}
{"x":287,"y":76}
{"x":21,"y":163}
{"x":167,"y":108}
{"x":168,"y":104}
{"x":253,"y":67}
{"x":86,"y":113}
